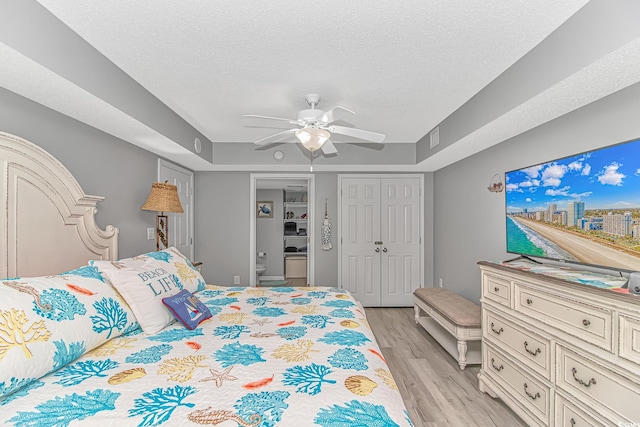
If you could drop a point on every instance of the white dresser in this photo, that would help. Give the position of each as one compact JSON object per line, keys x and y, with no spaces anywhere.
{"x":560,"y":353}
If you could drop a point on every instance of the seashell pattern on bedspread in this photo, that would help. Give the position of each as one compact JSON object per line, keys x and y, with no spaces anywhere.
{"x":268,"y":356}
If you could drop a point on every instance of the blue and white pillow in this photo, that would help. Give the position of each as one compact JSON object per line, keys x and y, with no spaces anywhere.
{"x":146,"y":279}
{"x":180,"y":267}
{"x":143,"y":282}
{"x":48,"y":322}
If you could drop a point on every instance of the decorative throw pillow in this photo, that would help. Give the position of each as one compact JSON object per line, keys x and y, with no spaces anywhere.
{"x":177,"y":264}
{"x":48,"y":322}
{"x":143,"y":282}
{"x":187,"y":308}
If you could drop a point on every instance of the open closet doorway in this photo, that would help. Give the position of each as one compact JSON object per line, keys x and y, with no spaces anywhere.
{"x":282,"y":230}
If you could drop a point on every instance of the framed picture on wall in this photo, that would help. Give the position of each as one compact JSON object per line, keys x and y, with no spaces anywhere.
{"x":264,"y":210}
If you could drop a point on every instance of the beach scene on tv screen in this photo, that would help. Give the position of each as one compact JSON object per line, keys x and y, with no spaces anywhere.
{"x":583,"y":208}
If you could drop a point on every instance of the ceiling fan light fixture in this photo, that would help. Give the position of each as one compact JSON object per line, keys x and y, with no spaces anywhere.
{"x":312,"y":138}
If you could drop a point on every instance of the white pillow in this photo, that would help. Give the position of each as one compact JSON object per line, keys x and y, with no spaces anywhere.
{"x":143,"y":282}
{"x":178,"y":265}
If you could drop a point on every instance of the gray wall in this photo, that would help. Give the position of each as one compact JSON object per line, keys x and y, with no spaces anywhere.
{"x":102,"y":164}
{"x":469,"y":220}
{"x":222,"y":224}
{"x":269,"y":232}
{"x":326,"y":262}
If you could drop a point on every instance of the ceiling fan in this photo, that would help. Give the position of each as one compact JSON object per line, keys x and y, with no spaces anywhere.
{"x":315,"y":128}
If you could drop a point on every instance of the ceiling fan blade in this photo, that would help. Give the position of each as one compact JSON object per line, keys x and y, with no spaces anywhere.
{"x":276,"y":137}
{"x":336,"y":113}
{"x":357,"y":133}
{"x":255,"y":116}
{"x":328,"y":147}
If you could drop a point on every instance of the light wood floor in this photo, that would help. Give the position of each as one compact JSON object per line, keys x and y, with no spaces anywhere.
{"x":435,"y":391}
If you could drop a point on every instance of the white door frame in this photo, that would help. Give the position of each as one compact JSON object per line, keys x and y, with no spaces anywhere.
{"x":162,"y":164}
{"x":381,"y":176}
{"x":310,"y":224}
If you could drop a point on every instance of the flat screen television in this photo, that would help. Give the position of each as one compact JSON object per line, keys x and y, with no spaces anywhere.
{"x":583,"y":208}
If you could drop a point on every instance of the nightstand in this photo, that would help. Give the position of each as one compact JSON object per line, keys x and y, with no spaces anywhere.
{"x":198,"y":266}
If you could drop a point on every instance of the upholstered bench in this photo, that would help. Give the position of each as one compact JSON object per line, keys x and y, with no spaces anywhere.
{"x":451,"y":320}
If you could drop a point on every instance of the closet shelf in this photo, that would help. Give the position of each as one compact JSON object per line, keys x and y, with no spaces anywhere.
{"x":296,"y":220}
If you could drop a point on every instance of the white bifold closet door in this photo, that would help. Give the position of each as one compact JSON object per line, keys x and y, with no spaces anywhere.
{"x":380,"y":235}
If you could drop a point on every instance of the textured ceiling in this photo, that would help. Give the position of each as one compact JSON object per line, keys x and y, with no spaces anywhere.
{"x":403,"y":67}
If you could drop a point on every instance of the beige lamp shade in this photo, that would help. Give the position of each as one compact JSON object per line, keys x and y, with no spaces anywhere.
{"x":163,"y":198}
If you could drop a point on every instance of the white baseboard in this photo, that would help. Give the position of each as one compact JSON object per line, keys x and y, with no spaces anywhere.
{"x":271,"y":277}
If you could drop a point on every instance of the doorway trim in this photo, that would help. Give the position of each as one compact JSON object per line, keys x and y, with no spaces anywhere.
{"x":164,"y":165}
{"x":310,"y":225}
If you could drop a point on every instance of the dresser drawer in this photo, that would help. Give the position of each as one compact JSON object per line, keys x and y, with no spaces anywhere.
{"x":568,"y":415}
{"x":587,"y":322}
{"x":609,"y":393}
{"x":530,"y":392}
{"x":630,"y":338}
{"x":496,"y":289}
{"x":531,"y":349}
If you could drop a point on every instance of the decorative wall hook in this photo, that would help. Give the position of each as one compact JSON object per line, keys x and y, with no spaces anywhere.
{"x":495,"y":185}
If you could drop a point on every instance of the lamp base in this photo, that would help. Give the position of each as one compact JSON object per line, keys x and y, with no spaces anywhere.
{"x":162,"y":232}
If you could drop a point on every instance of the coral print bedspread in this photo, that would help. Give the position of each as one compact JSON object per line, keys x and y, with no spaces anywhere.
{"x":268,"y":356}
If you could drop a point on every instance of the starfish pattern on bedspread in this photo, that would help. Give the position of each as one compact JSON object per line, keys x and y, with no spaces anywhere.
{"x":310,"y":361}
{"x":219,"y":377}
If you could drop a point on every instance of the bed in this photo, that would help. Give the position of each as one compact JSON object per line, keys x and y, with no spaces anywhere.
{"x":79,"y":343}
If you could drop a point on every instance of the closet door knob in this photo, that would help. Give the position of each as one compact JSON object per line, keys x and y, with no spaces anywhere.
{"x":384,"y":249}
{"x":377,"y":249}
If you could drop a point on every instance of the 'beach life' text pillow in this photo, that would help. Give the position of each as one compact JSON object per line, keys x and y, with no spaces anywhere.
{"x":143,"y":282}
{"x":180,"y":267}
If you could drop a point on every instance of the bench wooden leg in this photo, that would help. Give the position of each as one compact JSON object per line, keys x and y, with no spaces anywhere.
{"x":416,"y":313}
{"x":462,"y":354}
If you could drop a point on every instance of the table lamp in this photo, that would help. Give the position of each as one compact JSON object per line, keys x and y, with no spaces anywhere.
{"x":163,"y":198}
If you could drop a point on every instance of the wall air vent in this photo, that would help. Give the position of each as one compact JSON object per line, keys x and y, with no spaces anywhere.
{"x":434,"y":138}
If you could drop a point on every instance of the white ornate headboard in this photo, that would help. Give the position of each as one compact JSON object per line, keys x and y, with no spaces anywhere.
{"x":47,"y":223}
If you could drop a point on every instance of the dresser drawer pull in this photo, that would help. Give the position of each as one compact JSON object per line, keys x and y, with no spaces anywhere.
{"x":532,"y":396}
{"x":586,"y":322}
{"x":496,"y":289}
{"x":529,"y":301}
{"x":533,"y":353}
{"x":497,"y":368}
{"x":572,"y":422}
{"x":496,"y":331}
{"x":574,"y":371}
